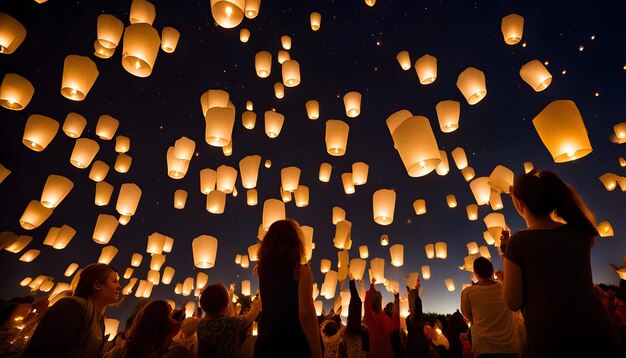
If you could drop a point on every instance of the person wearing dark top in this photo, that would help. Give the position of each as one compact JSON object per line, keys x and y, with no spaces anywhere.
{"x":288,"y":324}
{"x":418,"y":344}
{"x":355,"y":342}
{"x":547,"y":272}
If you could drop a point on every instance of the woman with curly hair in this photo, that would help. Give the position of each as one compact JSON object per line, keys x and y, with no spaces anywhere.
{"x":288,"y":324}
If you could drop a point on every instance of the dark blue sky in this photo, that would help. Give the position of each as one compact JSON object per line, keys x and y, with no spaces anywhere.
{"x":354,"y":50}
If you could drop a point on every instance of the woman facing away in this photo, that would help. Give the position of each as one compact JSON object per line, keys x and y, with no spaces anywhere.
{"x":74,"y":326}
{"x":288,"y":324}
{"x":547,"y":272}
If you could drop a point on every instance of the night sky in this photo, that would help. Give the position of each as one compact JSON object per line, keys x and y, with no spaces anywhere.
{"x":354,"y":50}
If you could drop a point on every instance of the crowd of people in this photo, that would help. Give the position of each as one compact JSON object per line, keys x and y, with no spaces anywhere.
{"x":537,"y":307}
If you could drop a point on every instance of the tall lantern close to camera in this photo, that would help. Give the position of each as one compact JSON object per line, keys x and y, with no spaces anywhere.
{"x":273,"y":210}
{"x":140,"y":49}
{"x":79,"y":75}
{"x":415,"y":141}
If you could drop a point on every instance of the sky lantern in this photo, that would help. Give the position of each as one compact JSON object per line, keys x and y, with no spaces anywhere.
{"x":448,"y":113}
{"x":168,"y":274}
{"x":127,"y":290}
{"x":301,"y":195}
{"x":53,"y":232}
{"x":488,"y":238}
{"x":443,"y":168}
{"x":169,"y":39}
{"x":84,"y":151}
{"x":122,"y":163}
{"x":15,"y":92}
{"x":244,"y":35}
{"x":135,"y":260}
{"x":468,"y":173}
{"x":359,"y":173}
{"x":34,"y":215}
{"x":285,"y":195}
{"x":12,"y":34}
{"x":111,"y":326}
{"x":283,"y":56}
{"x":30,"y":255}
{"x":226,"y":177}
{"x":417,"y":146}
{"x":338,"y":215}
{"x":357,"y":268}
{"x":101,"y":51}
{"x":472,"y":212}
{"x":156,"y":261}
{"x":397,"y":255}
{"x":273,"y":210}
{"x":352,"y":103}
{"x":279,"y":90}
{"x":404,"y":60}
{"x":208,"y":179}
{"x":187,"y":286}
{"x":329,"y":287}
{"x":605,"y":229}
{"x":313,"y":109}
{"x":336,"y":137}
{"x":501,"y":179}
{"x":536,"y":75}
{"x":263,"y":63}
{"x":106,"y":127}
{"x":204,"y":251}
{"x":562,"y":130}
{"x":449,"y":284}
{"x":528,"y":167}
{"x":142,"y":11}
{"x":253,"y":252}
{"x":245,"y":287}
{"x":39,"y":132}
{"x":273,"y":123}
{"x":285,"y":42}
{"x":377,"y":267}
{"x":472,"y":247}
{"x":140,"y":49}
{"x":245,"y":261}
{"x":289,"y":178}
{"x":214,"y":98}
{"x":396,"y":119}
{"x":71,"y":269}
{"x":104,"y":229}
{"x":430,"y":250}
{"x":248,"y":119}
{"x":384,"y":202}
{"x":481,"y":190}
{"x":107,"y":254}
{"x":103,"y":193}
{"x":110,"y":30}
{"x":484,"y":252}
{"x":419,"y":206}
{"x":74,"y":125}
{"x":79,"y":75}
{"x":512,"y":28}
{"x":441,"y":250}
{"x":184,"y":148}
{"x":55,"y":190}
{"x":252,"y":197}
{"x":216,"y":202}
{"x":99,"y":171}
{"x":122,"y":143}
{"x":19,"y":244}
{"x":460,"y":159}
{"x":343,"y":234}
{"x":471,"y":83}
{"x":451,"y":200}
{"x":249,"y":169}
{"x":384,"y":240}
{"x":252,"y":8}
{"x":363,"y":252}
{"x":168,"y":244}
{"x":156,"y":241}
{"x":495,"y":220}
{"x":425,"y":272}
{"x":316,"y":20}
{"x":620,"y":132}
{"x":426,"y":68}
{"x":291,"y":73}
{"x":4,"y":173}
{"x":609,"y":180}
{"x":325,"y":265}
{"x":128,"y":199}
{"x":325,"y":171}
{"x":348,"y":183}
{"x":219,"y":123}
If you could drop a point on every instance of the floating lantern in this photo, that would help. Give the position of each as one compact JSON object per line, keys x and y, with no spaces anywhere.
{"x":252,"y":197}
{"x":417,"y":146}
{"x":51,"y":236}
{"x":359,"y":173}
{"x":291,"y":73}
{"x":301,"y":195}
{"x":348,"y":185}
{"x":128,"y":199}
{"x":370,"y":3}
{"x":357,"y":268}
{"x":283,"y":56}
{"x":135,"y":260}
{"x":441,"y":250}
{"x":384,"y":240}
{"x":55,"y":190}
{"x":15,"y":91}
{"x":156,"y":241}
{"x":245,"y":287}
{"x":495,"y":200}
{"x":103,"y":193}
{"x":430,"y":251}
{"x":12,"y":34}
{"x":528,"y":167}
{"x":363,"y":252}
{"x":377,"y":266}
{"x":71,"y":269}
{"x":34,"y":215}
{"x":168,"y":274}
{"x":443,"y":168}
{"x":404,"y":59}
{"x":273,"y":123}
{"x":187,"y":286}
{"x":279,"y":90}
{"x":128,"y":273}
{"x":154,"y":277}
{"x":176,"y":168}
{"x":501,"y":179}
{"x":156,"y":261}
{"x":336,"y":137}
{"x":419,"y":206}
{"x":397,"y":255}
{"x":285,"y":42}
{"x":226,"y":177}
{"x":253,"y":252}
{"x":184,"y":148}
{"x":425,"y":272}
{"x":245,"y":262}
{"x":472,"y":212}
{"x":74,"y":125}
{"x":65,"y":235}
{"x":472,"y":248}
{"x":512,"y":28}
{"x":39,"y":132}
{"x":343,"y":233}
{"x":98,"y":171}
{"x":316,"y":21}
{"x":488,"y":238}
{"x":4,"y":173}
{"x":208,"y":179}
{"x":285,"y":195}
{"x":142,"y":11}
{"x":140,"y":49}
{"x":248,"y":119}
{"x":110,"y":30}
{"x":102,"y":52}
{"x":263,"y":63}
{"x":104,"y":229}
{"x":620,"y":132}
{"x":471,"y":83}
{"x":110,"y":328}
{"x":84,"y":151}
{"x":107,"y":254}
{"x":384,"y":202}
{"x":127,"y":290}
{"x":289,"y":178}
{"x":605,"y":229}
{"x":609,"y":180}
{"x":216,"y":202}
{"x":329,"y":287}
{"x":451,"y":200}
{"x":562,"y":130}
{"x":325,"y":265}
{"x":484,"y":252}
{"x":448,"y":113}
{"x":468,"y":173}
{"x":122,"y":163}
{"x":338,"y":215}
{"x":460,"y":159}
{"x":536,"y":75}
{"x":169,"y":39}
{"x":273,"y":210}
{"x":449,"y":284}
{"x":26,"y":281}
{"x":352,"y":103}
{"x":325,"y":171}
{"x":204,"y":251}
{"x":19,"y":244}
{"x":214,"y":98}
{"x":312,"y":109}
{"x":79,"y":75}
{"x":219,"y":122}
{"x":180,"y":198}
{"x":481,"y":190}
{"x":252,"y":8}
{"x":426,"y":68}
{"x":30,"y":255}
{"x":168,"y":244}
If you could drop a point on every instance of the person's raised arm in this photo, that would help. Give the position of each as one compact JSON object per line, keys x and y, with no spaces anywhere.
{"x":513,"y":290}
{"x":306,"y":311}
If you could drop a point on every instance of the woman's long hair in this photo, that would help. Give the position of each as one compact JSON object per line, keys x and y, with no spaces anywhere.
{"x":88,"y":276}
{"x":149,"y":330}
{"x":545,"y":193}
{"x":281,"y":249}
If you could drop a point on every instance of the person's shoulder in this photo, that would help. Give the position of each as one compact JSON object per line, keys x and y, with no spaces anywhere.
{"x":71,"y":302}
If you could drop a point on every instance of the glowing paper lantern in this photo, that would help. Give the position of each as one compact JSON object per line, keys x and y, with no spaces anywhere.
{"x":128,"y":273}
{"x":252,"y":197}
{"x":472,"y":248}
{"x":110,"y":30}
{"x":325,"y":265}
{"x":312,"y":109}
{"x":348,"y":185}
{"x":484,"y":252}
{"x":140,"y":49}
{"x":214,"y":98}
{"x":156,"y":261}
{"x":357,"y":268}
{"x":208,"y":179}
{"x":122,"y":163}
{"x":227,"y":13}
{"x":98,"y":171}
{"x":39,"y":132}
{"x":384,"y":240}
{"x":343,"y":233}
{"x":30,"y":255}
{"x":34,"y":215}
{"x":168,"y":244}
{"x":609,"y":180}
{"x":426,"y":68}
{"x":377,"y":266}
{"x":226,"y":177}
{"x":180,"y":198}
{"x":397,"y":255}
{"x":430,"y":250}
{"x":359,"y":173}
{"x":352,"y":103}
{"x":290,"y":177}
{"x":19,"y":244}
{"x":468,"y":173}
{"x":512,"y":28}
{"x":65,"y":235}
{"x":449,"y":284}
{"x":4,"y":173}
{"x":384,"y":202}
{"x":135,"y":260}
{"x":620,"y":132}
{"x":363,"y":252}
{"x":101,"y":51}
{"x":128,"y":199}
{"x":291,"y":73}
{"x":27,"y":280}
{"x":204,"y":251}
{"x":273,"y":210}
{"x":84,"y":151}
{"x":79,"y":75}
{"x":142,"y":11}
{"x":279,"y":90}
{"x":248,"y":119}
{"x":12,"y":34}
{"x":216,"y":202}
{"x":481,"y":190}
{"x":228,"y":149}
{"x":55,"y":190}
{"x":244,"y":35}
{"x":263,"y":63}
{"x":285,"y":195}
{"x":562,"y":130}
{"x":528,"y":167}
{"x":169,"y":39}
{"x":176,"y":168}
{"x":245,"y":262}
{"x":460,"y":159}
{"x":104,"y":229}
{"x":501,"y":179}
{"x":184,"y":148}
{"x":471,"y":83}
{"x":448,"y":113}
{"x":301,"y":195}
{"x":417,"y":146}
{"x":107,"y":254}
{"x":472,"y":212}
{"x":451,"y":200}
{"x":419,"y":206}
{"x":425,"y":272}
{"x":329,"y":287}
{"x":168,"y":274}
{"x":316,"y":21}
{"x":325,"y":171}
{"x":219,"y":122}
{"x":154,"y":277}
{"x":273,"y":123}
{"x":15,"y":91}
{"x":252,"y":8}
{"x":370,"y":3}
{"x":74,"y":125}
{"x":283,"y":56}
{"x":605,"y":229}
{"x":443,"y":168}
{"x":71,"y":269}
{"x":336,"y":137}
{"x":156,"y":242}
{"x":441,"y":250}
{"x":404,"y":59}
{"x":338,"y":215}
{"x":110,"y":328}
{"x":536,"y":75}
{"x":51,"y":236}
